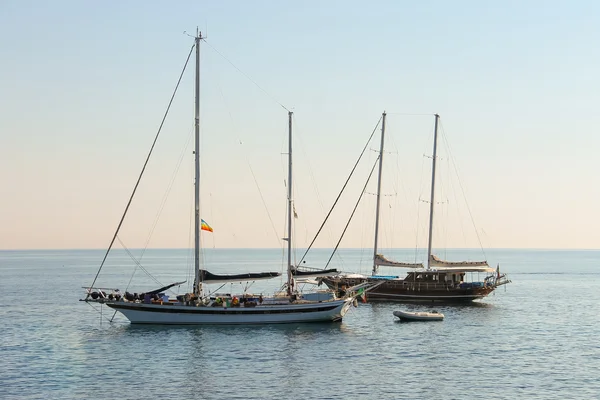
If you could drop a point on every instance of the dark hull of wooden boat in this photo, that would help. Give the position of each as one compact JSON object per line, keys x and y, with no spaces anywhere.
{"x":403,"y":291}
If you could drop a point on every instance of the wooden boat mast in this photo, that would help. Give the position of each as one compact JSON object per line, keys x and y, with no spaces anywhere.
{"x":432,"y":197}
{"x":375,"y":267}
{"x":197,"y":285}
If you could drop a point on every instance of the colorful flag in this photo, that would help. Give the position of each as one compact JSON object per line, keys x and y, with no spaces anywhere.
{"x":363,"y":295}
{"x":205,"y":227}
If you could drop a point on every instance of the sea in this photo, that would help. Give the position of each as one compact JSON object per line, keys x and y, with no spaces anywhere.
{"x":535,"y":338}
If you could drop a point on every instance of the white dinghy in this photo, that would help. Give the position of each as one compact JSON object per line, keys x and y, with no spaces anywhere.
{"x":419,"y":316}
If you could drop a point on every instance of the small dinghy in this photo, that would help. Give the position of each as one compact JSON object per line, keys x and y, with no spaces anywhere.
{"x":419,"y":316}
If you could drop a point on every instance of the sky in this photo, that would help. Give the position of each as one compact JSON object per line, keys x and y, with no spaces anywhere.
{"x":84,"y":86}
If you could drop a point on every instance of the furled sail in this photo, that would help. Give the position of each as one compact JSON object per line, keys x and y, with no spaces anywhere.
{"x":381,"y":261}
{"x":436,"y":262}
{"x":162,"y":289}
{"x":208,"y":277}
{"x":306,"y":272}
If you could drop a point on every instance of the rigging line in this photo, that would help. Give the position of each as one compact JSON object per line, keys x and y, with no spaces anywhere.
{"x":166,"y":195}
{"x":263,"y":201}
{"x":298,"y":139}
{"x":247,"y":160}
{"x":99,"y":310}
{"x":441,"y":229}
{"x":460,"y":217}
{"x":283,"y":265}
{"x":391,"y":220}
{"x":446,"y":214}
{"x":312,"y":175}
{"x":353,"y":211}
{"x":144,"y":167}
{"x":247,"y":77}
{"x":419,"y":200}
{"x":138,"y":264}
{"x":190,"y":246}
{"x":342,"y":191}
{"x":400,"y":188}
{"x":262,"y":198}
{"x":462,"y":189}
{"x":419,"y":210}
{"x":367,"y":218}
{"x":113,"y":317}
{"x":411,"y":114}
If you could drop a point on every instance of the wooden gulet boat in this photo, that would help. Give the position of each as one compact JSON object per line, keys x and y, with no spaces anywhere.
{"x":439,"y":281}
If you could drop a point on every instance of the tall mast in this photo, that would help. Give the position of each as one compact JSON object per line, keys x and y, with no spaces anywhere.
{"x":197,"y":284}
{"x":290,"y":205}
{"x":432,"y":197}
{"x":375,"y":268}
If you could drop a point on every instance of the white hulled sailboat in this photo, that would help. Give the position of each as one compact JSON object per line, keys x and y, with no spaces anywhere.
{"x":198,"y":307}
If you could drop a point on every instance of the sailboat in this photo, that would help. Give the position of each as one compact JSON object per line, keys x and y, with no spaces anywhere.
{"x":439,"y":280}
{"x":200,"y":307}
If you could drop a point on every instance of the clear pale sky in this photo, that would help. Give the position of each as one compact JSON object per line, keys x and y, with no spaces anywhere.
{"x":83,"y":86}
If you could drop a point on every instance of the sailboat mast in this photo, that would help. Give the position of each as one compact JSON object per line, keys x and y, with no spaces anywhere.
{"x":432,"y":197}
{"x":290,"y":205}
{"x":197,"y":170}
{"x":375,"y":268}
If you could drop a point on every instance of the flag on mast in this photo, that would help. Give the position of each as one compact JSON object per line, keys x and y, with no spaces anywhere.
{"x":205,"y":227}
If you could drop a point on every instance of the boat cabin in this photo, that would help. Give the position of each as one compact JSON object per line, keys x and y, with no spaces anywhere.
{"x":436,"y":277}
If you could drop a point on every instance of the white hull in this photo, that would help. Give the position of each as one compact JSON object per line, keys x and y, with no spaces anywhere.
{"x":419,"y":316}
{"x":139,"y":313}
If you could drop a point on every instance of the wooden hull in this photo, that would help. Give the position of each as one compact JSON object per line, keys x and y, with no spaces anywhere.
{"x":174,"y":314}
{"x":403,"y":291}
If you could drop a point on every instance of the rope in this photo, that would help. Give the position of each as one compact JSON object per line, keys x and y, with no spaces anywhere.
{"x":460,"y":217}
{"x":138,"y":264}
{"x":233,"y":124}
{"x":143,"y":168}
{"x":247,"y":77}
{"x":263,"y":201}
{"x":412,"y":114}
{"x":166,"y":195}
{"x":353,"y":211}
{"x":190,"y":253}
{"x":462,"y":190}
{"x":419,"y":200}
{"x":298,"y":138}
{"x":99,"y":310}
{"x":342,"y":191}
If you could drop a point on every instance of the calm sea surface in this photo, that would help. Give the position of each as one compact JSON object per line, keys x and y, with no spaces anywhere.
{"x":537,"y":338}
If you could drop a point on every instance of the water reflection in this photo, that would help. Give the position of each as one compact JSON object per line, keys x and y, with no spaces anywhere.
{"x":253,"y":351}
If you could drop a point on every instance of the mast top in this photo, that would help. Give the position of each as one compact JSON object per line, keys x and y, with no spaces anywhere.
{"x":198,"y":35}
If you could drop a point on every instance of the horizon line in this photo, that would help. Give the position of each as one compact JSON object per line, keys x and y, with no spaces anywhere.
{"x":303,"y":248}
